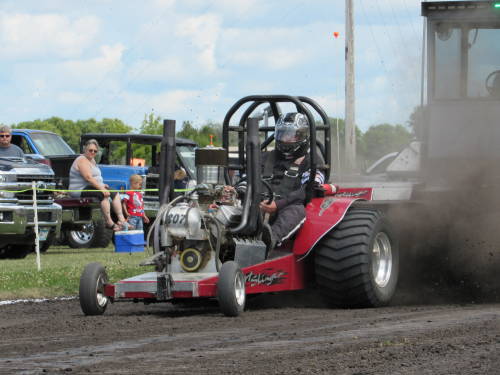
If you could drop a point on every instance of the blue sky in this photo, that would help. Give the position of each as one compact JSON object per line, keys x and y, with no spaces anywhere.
{"x":192,"y":59}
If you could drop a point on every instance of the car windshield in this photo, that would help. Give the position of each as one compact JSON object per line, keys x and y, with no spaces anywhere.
{"x":186,"y":154}
{"x":51,"y":144}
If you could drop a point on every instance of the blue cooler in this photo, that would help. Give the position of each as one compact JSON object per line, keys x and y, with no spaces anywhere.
{"x":130,"y":241}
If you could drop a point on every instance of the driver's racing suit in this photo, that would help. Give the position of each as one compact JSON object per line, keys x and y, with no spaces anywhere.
{"x":288,"y":180}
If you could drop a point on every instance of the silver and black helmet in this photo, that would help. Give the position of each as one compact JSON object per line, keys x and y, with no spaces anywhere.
{"x":292,"y":135}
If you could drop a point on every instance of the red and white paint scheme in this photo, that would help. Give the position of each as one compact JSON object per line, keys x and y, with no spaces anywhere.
{"x":285,"y":271}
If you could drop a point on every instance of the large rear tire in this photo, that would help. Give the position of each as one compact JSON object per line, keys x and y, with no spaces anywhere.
{"x":92,"y":282}
{"x":231,"y":289}
{"x":357,"y":263}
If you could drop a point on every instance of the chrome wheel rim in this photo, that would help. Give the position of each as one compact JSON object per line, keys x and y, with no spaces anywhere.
{"x":381,"y":259}
{"x":102,"y":300}
{"x":83,"y":236}
{"x":239,"y":288}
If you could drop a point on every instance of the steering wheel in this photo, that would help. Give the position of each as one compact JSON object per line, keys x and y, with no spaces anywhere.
{"x":269,"y":194}
{"x":492,"y":83}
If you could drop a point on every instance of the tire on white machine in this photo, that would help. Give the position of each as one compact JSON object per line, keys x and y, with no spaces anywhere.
{"x":231,"y":289}
{"x":92,"y":282}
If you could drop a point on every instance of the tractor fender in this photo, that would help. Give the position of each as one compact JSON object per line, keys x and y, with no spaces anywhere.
{"x":324,"y":214}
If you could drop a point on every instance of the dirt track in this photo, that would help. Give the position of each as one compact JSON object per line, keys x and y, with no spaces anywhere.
{"x":291,"y":334}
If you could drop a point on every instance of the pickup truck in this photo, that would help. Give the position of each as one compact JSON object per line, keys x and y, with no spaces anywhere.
{"x":81,"y":223}
{"x":17,"y":226}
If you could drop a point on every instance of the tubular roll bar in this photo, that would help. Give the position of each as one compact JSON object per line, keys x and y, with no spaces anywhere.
{"x":273,"y":101}
{"x":167,"y":161}
{"x":250,"y":214}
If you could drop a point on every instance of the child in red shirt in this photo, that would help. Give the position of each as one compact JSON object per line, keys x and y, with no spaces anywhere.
{"x":133,"y":204}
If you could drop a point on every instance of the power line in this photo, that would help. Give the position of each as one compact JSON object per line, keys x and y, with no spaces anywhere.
{"x":396,"y":20}
{"x":375,"y":43}
{"x":408,"y":13}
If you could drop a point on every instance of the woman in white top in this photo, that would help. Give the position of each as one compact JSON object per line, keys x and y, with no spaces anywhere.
{"x":86,"y":175}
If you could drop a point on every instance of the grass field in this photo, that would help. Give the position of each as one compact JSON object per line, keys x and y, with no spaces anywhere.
{"x":61,"y":270}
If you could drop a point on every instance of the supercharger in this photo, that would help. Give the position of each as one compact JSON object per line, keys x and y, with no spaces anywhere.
{"x":182,"y":221}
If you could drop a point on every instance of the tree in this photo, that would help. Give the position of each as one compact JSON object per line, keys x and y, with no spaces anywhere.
{"x":71,"y":131}
{"x":416,"y":121}
{"x":340,"y":143}
{"x":202,"y":135}
{"x":382,"y":139}
{"x":151,"y":124}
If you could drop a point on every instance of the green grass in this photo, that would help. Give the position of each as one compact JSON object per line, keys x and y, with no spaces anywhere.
{"x":61,"y":270}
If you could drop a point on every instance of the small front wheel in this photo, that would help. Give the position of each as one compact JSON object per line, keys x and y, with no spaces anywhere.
{"x":231,"y":289}
{"x":93,"y":301}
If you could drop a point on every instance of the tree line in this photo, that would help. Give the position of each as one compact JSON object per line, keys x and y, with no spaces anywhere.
{"x":375,"y":142}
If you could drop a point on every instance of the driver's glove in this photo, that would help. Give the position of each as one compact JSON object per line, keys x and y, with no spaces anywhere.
{"x":321,"y":190}
{"x":330,"y":189}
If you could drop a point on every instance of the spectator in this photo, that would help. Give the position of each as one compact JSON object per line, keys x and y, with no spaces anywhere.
{"x":86,"y":175}
{"x":133,"y":204}
{"x":7,"y":149}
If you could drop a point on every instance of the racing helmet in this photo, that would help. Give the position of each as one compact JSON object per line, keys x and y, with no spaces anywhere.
{"x":292,"y":135}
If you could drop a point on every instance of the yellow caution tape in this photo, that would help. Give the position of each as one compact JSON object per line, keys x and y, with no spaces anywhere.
{"x":68,"y":191}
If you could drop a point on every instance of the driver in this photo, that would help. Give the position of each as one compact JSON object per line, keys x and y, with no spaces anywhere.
{"x":286,"y":169}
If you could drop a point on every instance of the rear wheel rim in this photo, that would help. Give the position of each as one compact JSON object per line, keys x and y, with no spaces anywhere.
{"x":381,"y":259}
{"x":239,"y":288}
{"x":83,"y":236}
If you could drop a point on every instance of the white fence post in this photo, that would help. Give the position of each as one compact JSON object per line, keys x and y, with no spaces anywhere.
{"x":37,"y":235}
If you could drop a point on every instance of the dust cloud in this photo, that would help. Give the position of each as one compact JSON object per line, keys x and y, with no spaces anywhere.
{"x":450,"y":232}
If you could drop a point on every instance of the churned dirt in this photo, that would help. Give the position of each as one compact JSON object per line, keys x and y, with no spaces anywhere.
{"x":277,"y":334}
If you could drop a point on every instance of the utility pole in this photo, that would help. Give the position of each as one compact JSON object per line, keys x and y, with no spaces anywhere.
{"x":350,"y":127}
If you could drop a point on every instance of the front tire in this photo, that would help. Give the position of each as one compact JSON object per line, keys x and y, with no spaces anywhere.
{"x":16,"y":251}
{"x":357,"y":263}
{"x":231,"y":289}
{"x":92,"y":282}
{"x":51,"y":239}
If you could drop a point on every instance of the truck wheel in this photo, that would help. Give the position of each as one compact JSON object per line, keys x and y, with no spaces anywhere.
{"x":94,"y":234}
{"x":16,"y":251}
{"x":51,"y":239}
{"x":231,"y":289}
{"x":357,"y":263}
{"x":102,"y":235}
{"x":80,"y":238}
{"x":92,"y":282}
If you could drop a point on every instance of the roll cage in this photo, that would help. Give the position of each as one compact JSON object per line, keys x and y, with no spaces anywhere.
{"x":248,"y":134}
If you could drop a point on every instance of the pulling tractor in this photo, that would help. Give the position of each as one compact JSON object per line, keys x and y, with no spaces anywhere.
{"x":208,"y":242}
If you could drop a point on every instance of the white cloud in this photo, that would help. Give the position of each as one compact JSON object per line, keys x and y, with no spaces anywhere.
{"x":164,"y":3}
{"x":89,"y":72}
{"x":27,"y":36}
{"x":239,"y":8}
{"x":277,"y":48}
{"x":173,"y":101}
{"x":333,"y":105}
{"x":70,"y":97}
{"x":280,"y":58}
{"x":161,"y":70}
{"x":203,"y":32}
